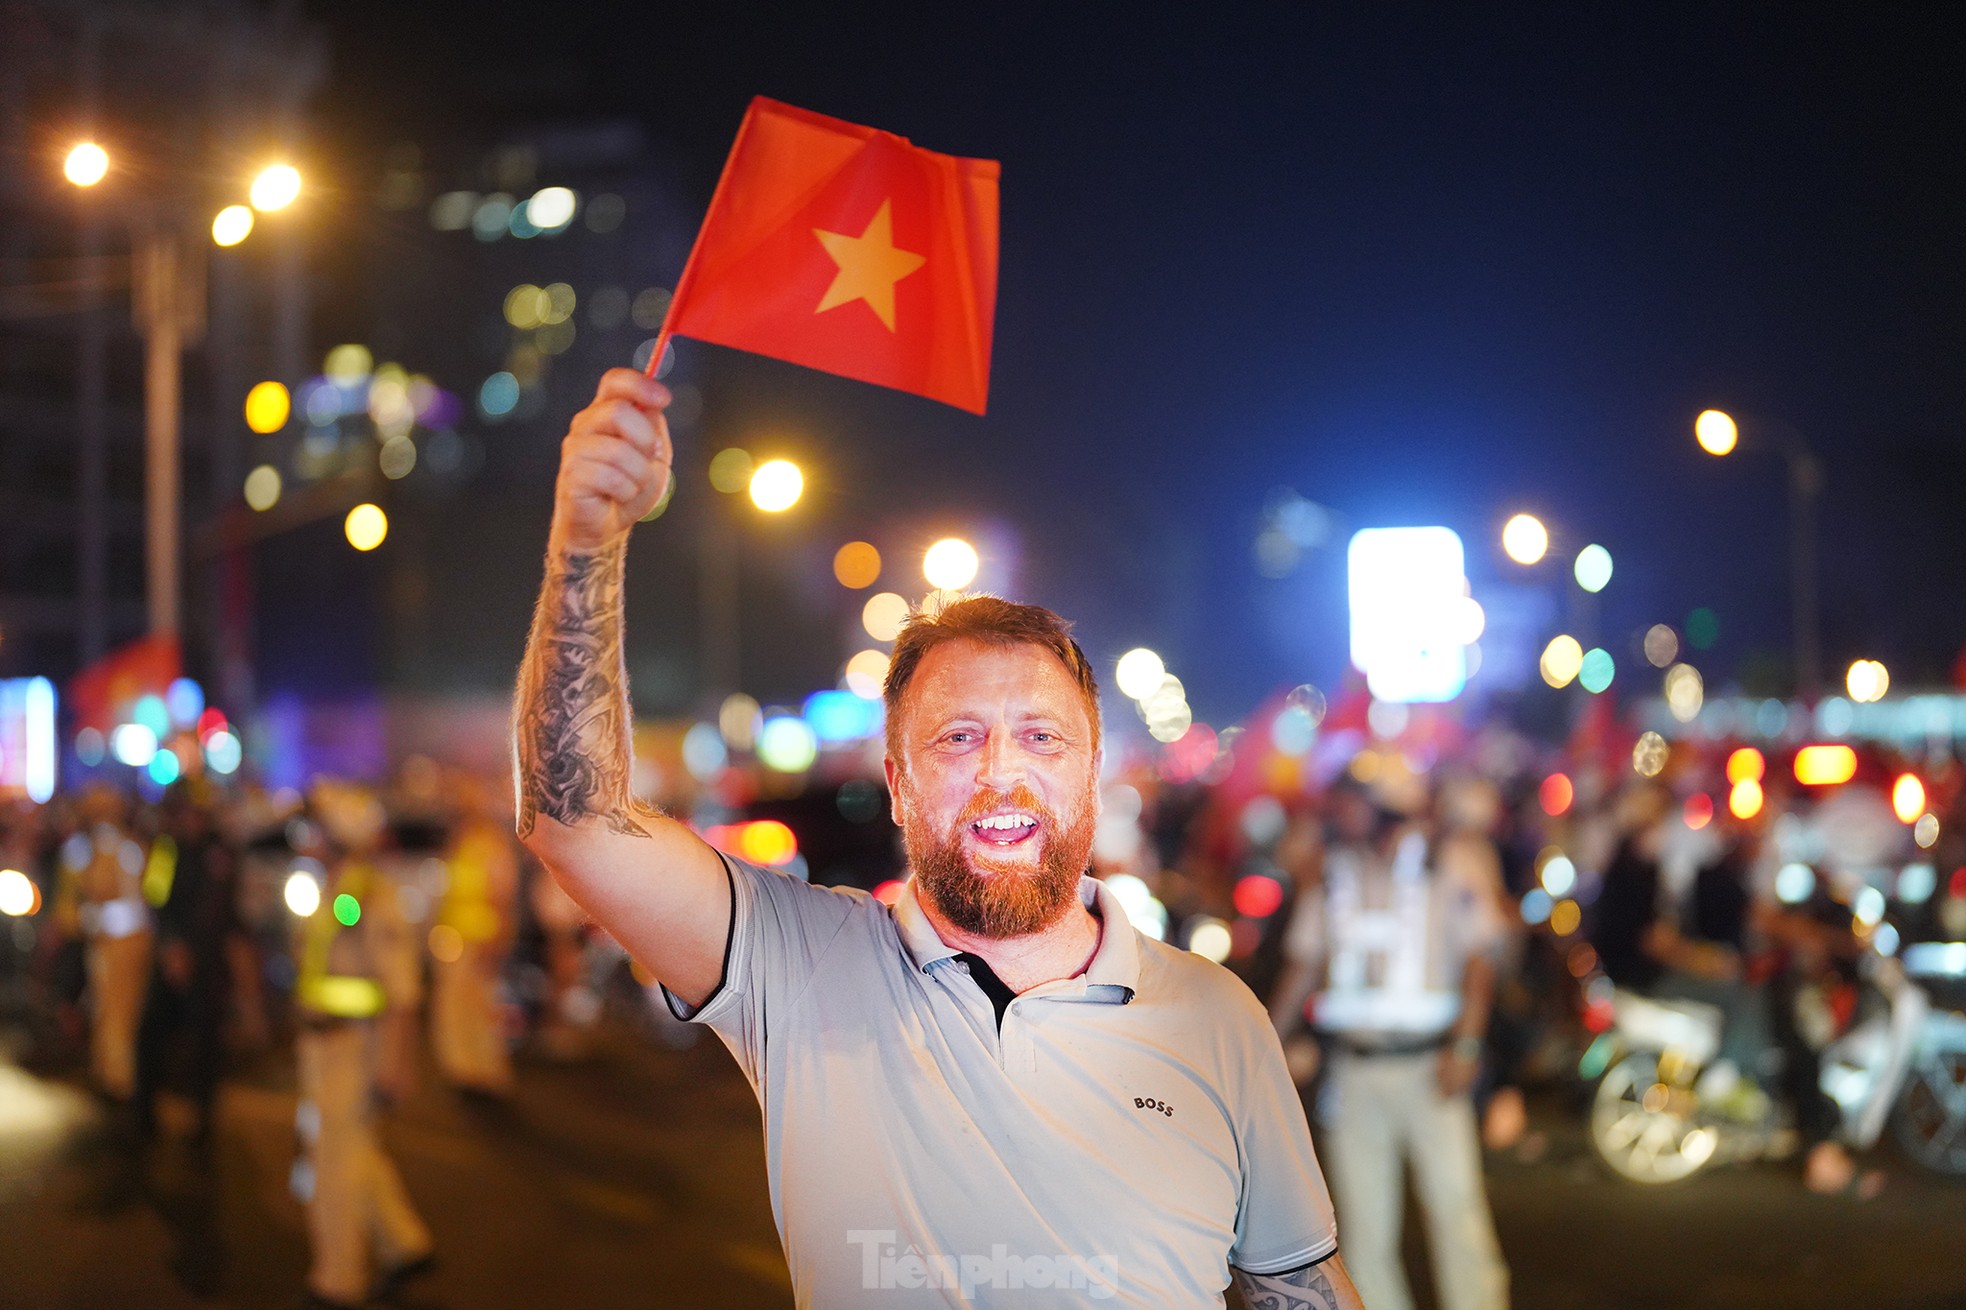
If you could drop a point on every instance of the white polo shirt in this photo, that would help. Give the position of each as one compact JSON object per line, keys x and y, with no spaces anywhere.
{"x":1127,"y":1136}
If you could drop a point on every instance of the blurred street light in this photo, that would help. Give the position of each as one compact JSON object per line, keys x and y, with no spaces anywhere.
{"x":1524,"y":539}
{"x":1719,"y":434}
{"x":1866,"y":681}
{"x":233,"y":225}
{"x":1593,"y":568}
{"x":777,"y":485}
{"x":366,"y":526}
{"x":950,"y":564}
{"x":86,"y":165}
{"x":168,"y":300}
{"x":1716,"y":432}
{"x":275,"y":188}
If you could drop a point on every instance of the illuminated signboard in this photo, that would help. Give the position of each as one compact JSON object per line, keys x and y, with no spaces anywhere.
{"x":1410,"y":612}
{"x":27,"y":737}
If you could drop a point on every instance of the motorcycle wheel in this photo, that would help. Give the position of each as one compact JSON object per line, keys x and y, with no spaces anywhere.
{"x":1641,"y":1127}
{"x":1930,"y":1120}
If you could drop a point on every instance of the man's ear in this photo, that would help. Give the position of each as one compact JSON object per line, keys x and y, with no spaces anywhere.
{"x":893,"y":772}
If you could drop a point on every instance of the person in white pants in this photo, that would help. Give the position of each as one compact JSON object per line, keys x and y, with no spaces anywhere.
{"x":1393,"y":946}
{"x":356,"y":1000}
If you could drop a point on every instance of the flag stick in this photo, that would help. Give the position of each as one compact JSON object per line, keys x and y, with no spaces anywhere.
{"x":661,"y":348}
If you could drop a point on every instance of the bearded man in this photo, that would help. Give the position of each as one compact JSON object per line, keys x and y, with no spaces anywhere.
{"x":996,"y":1093}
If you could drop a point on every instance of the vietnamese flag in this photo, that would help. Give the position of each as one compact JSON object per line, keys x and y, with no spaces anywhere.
{"x":847,"y":249}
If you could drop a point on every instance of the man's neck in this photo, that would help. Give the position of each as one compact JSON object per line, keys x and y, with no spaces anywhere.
{"x":1062,"y":950}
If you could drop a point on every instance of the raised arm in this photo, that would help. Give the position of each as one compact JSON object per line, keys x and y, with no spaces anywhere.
{"x":1322,"y":1286}
{"x":647,"y":879}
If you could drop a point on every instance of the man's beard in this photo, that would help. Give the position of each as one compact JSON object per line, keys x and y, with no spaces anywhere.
{"x":998,"y":902}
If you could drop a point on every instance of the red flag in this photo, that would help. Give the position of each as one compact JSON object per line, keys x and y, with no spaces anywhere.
{"x":847,"y":249}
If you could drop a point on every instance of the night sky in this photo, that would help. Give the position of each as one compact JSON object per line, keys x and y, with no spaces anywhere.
{"x":1418,"y":267}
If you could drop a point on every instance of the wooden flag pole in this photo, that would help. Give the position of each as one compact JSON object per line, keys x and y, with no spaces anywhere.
{"x":661,"y":347}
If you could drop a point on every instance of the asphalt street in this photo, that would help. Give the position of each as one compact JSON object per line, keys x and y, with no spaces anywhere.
{"x":636,"y":1179}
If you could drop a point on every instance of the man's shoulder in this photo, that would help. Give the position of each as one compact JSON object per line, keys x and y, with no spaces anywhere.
{"x":1182,"y":978}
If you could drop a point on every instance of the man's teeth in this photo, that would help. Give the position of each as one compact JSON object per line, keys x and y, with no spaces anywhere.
{"x":1005,"y":822}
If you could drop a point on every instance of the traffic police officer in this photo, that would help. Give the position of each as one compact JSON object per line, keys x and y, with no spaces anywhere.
{"x":356,"y":995}
{"x":1395,"y":949}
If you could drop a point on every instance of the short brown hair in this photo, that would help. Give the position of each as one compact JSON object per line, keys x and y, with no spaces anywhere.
{"x":993,"y":621}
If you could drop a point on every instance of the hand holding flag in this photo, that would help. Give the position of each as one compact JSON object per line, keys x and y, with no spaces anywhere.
{"x":847,"y":249}
{"x":614,"y":463}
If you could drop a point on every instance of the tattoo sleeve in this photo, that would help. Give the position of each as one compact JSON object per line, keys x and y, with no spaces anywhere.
{"x":1299,"y":1289}
{"x":571,"y":723}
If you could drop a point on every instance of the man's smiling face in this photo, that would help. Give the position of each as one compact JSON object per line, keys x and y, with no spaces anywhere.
{"x":996,"y":791}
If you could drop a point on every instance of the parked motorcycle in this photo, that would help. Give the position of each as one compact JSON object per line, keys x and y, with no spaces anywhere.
{"x":1659,"y":1115}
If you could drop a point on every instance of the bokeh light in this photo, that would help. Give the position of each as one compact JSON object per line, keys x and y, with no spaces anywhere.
{"x":1867,"y":681}
{"x":263,"y":487}
{"x":233,"y":224}
{"x":1716,"y":432}
{"x":1744,"y":799}
{"x":1563,"y":660}
{"x":268,"y":406}
{"x":1596,"y":670}
{"x":1649,"y":755}
{"x":1138,"y":673}
{"x":1257,"y":896}
{"x":883,"y":615}
{"x":1698,"y":811}
{"x":366,"y":526}
{"x":276,"y":187}
{"x":1825,"y":766}
{"x":551,"y":208}
{"x":866,"y":674}
{"x":1209,"y":938}
{"x":1685,"y":692}
{"x":1926,"y":831}
{"x":1746,"y":762}
{"x":731,"y":469}
{"x":1661,"y":645}
{"x":1908,"y":798}
{"x":1593,"y":568}
{"x":19,"y":897}
{"x":1524,"y":539}
{"x":739,"y":719}
{"x":1702,"y":628}
{"x":1556,"y":794}
{"x":787,"y":744}
{"x":86,"y":165}
{"x":348,"y":364}
{"x":857,"y":564}
{"x":950,"y":564}
{"x":777,"y":485}
{"x":302,"y":893}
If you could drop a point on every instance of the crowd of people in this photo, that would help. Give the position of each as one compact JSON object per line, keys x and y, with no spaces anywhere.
{"x":1415,"y":990}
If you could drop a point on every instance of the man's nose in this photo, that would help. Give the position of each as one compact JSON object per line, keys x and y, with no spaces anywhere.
{"x":1002,"y":765}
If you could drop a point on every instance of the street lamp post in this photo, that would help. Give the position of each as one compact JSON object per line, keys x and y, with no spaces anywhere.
{"x":167,"y":302}
{"x":1718,"y":434}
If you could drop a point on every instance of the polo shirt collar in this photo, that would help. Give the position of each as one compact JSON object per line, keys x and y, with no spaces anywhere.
{"x":1111,"y":978}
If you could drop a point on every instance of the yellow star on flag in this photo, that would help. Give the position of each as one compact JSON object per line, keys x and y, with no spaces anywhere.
{"x":869,"y":266}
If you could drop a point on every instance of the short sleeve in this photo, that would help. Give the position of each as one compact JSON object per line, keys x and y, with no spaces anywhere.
{"x":780,"y":928}
{"x":1283,"y":1216}
{"x":1303,"y":940}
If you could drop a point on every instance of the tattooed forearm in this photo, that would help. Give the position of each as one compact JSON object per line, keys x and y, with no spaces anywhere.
{"x":1300,"y":1289}
{"x":572,"y":718}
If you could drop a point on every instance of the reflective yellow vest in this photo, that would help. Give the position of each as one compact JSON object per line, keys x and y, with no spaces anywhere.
{"x":339,"y":996}
{"x":467,"y":904}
